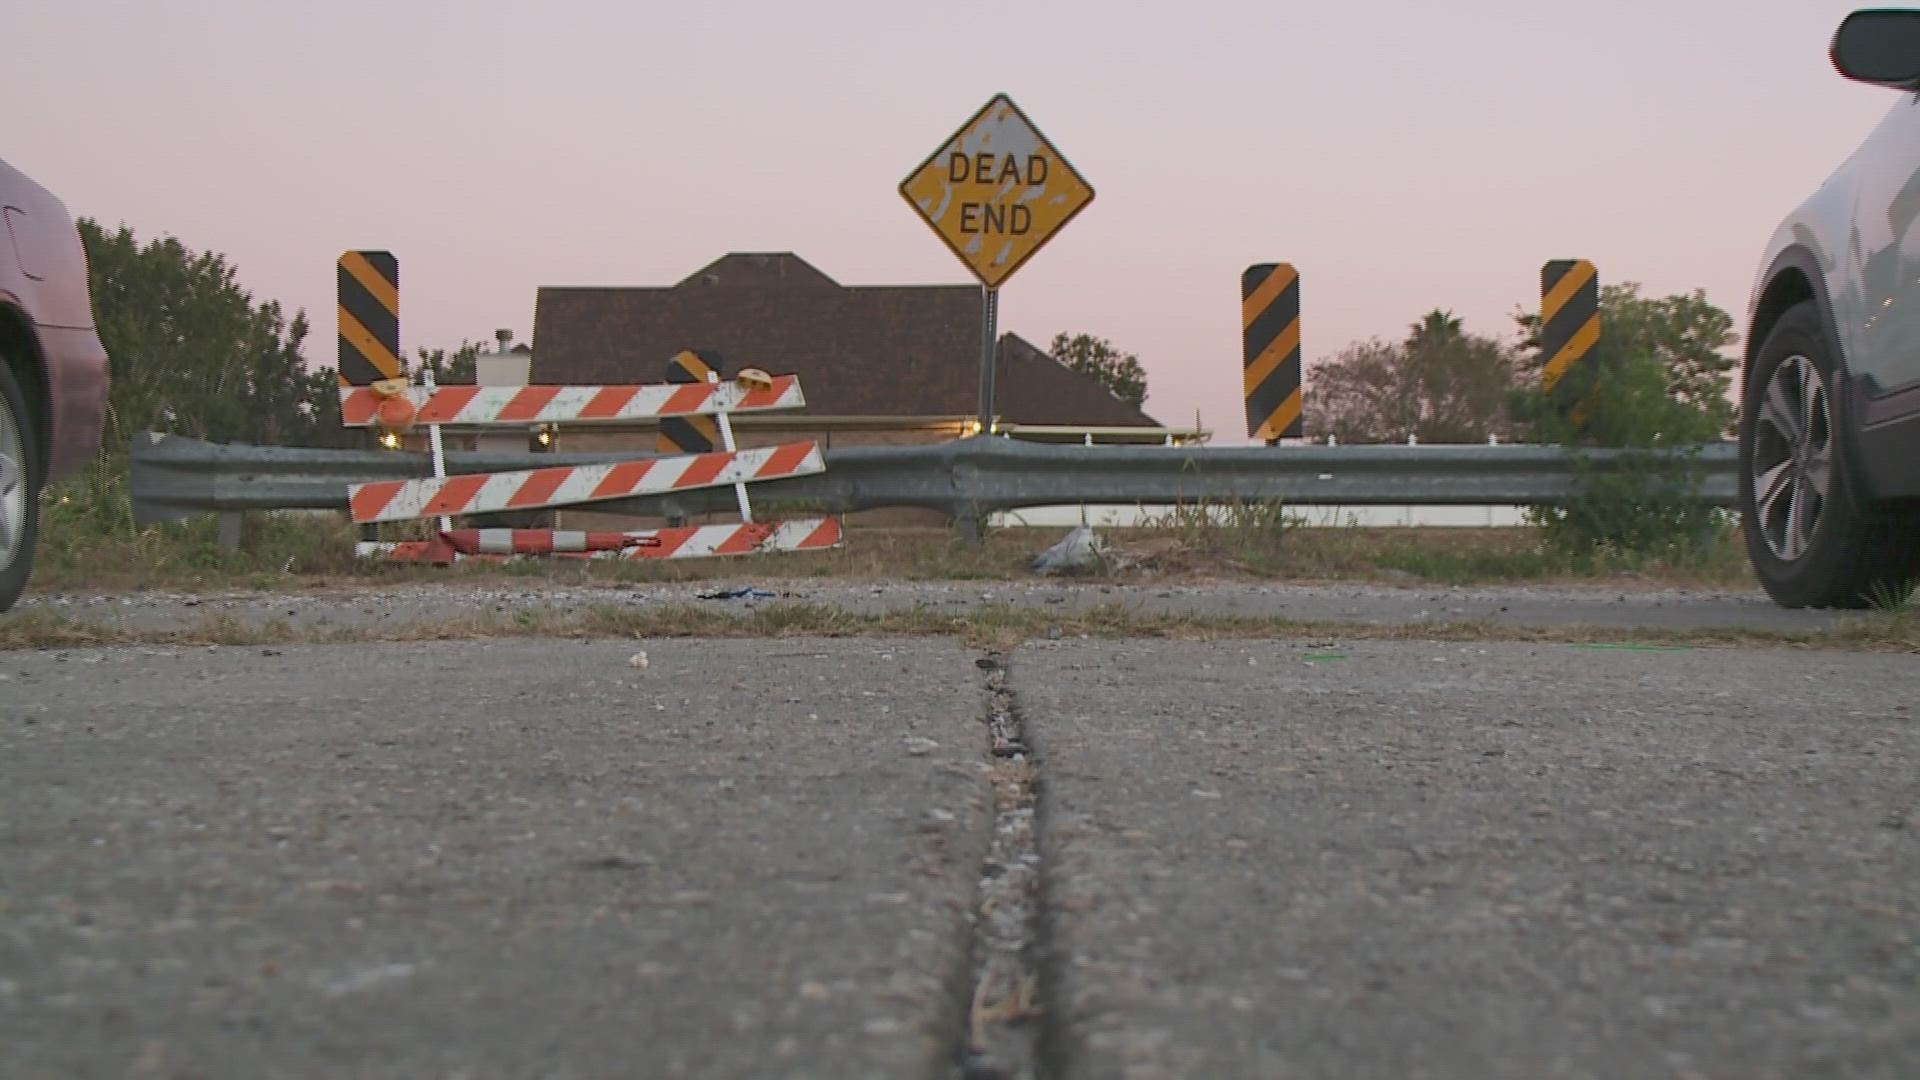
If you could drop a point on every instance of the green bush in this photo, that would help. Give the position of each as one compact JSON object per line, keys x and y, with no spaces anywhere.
{"x":1644,"y":505}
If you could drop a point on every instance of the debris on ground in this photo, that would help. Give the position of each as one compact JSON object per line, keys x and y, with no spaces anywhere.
{"x":1080,"y":551}
{"x":745,"y":592}
{"x":1160,"y":553}
{"x":1083,"y":551}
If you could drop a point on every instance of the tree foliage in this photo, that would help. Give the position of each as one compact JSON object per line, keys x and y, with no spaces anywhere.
{"x":1658,"y":388}
{"x":1440,"y":384}
{"x":459,"y":367}
{"x":190,"y":351}
{"x":1643,"y":504}
{"x":1683,"y":337}
{"x":1120,"y":372}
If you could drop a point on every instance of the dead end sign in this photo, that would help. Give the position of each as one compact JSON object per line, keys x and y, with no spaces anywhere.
{"x":997,"y":191}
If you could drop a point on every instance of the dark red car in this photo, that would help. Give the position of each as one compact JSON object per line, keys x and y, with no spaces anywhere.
{"x":53,"y":370}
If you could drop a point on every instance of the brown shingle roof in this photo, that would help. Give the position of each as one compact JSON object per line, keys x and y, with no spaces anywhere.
{"x":859,"y":350}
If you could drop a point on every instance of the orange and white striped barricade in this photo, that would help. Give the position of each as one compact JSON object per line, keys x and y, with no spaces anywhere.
{"x":396,"y":406}
{"x":381,"y":396}
{"x":522,"y":406}
{"x":570,"y":485}
{"x":693,"y":542}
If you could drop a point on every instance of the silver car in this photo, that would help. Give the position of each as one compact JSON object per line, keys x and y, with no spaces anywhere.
{"x":1830,"y":416}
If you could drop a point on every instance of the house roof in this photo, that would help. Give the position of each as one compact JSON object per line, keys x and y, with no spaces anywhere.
{"x":893,"y":350}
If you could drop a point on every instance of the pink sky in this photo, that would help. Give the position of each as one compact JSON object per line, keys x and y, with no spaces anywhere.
{"x":1403,"y":155}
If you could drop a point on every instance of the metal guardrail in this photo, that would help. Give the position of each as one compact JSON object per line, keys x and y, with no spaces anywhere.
{"x":175,"y":477}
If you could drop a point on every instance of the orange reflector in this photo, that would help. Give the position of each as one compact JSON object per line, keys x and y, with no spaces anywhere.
{"x":395,"y":414}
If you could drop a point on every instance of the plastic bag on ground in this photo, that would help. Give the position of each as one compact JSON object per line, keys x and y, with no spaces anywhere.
{"x":1079,"y":551}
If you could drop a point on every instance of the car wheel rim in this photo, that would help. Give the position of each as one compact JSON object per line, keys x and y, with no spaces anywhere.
{"x":13,"y":487}
{"x":1792,"y":458}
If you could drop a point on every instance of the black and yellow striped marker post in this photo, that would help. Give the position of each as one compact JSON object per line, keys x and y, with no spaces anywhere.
{"x":689,"y":434}
{"x":1569,"y":332}
{"x":1270,"y":340}
{"x":369,"y":289}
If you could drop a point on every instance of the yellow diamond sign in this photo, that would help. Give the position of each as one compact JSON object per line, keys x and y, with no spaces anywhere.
{"x":996,"y":191}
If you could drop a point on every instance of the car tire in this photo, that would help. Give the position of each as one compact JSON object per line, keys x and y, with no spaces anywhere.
{"x":1811,"y":540}
{"x":20,"y":473}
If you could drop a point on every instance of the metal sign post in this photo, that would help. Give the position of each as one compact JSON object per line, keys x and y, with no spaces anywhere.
{"x":726,"y":441}
{"x":435,"y":446}
{"x":989,"y":333}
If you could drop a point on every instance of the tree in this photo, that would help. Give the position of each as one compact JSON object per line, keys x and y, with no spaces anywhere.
{"x":1355,"y":397}
{"x":451,"y":368}
{"x":1683,"y":335}
{"x":1441,"y":385}
{"x":1120,"y":372}
{"x":190,"y":352}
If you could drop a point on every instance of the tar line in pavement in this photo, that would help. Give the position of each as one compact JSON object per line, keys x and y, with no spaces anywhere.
{"x":1002,"y":1035}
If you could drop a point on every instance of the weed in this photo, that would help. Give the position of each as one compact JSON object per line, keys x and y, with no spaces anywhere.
{"x":1251,"y":534}
{"x":1891,"y":600}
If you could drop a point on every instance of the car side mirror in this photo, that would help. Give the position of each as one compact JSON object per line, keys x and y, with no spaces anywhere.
{"x":1879,"y":47}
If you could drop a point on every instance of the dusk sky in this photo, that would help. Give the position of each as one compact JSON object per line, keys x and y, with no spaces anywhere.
{"x":1403,"y":155}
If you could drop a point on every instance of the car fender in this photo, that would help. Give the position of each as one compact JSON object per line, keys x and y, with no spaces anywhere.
{"x":1773,"y":295}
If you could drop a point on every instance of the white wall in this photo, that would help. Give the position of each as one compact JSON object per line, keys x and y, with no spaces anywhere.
{"x":1478,"y":517}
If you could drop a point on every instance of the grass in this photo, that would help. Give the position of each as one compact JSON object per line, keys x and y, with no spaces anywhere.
{"x":1497,"y":555}
{"x":993,"y":626}
{"x":1893,"y":602}
{"x":89,"y":543}
{"x":1252,"y":537}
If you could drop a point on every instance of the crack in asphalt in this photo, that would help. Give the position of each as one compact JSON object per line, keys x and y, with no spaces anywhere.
{"x":1003,"y":1032}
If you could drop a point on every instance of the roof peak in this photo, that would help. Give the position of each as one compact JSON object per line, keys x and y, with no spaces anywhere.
{"x":757,"y":269}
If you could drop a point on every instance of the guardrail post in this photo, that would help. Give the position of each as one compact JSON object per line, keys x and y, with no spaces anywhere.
{"x":230,"y":530}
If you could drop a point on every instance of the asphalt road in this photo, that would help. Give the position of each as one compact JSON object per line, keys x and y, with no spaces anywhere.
{"x":759,"y":858}
{"x":515,"y":859}
{"x":1479,"y":861}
